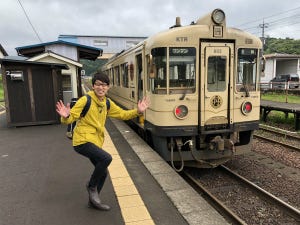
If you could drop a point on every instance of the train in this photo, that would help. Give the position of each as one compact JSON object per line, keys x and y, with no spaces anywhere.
{"x":203,"y":83}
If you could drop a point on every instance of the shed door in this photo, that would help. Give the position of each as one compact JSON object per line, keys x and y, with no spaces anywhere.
{"x":44,"y":102}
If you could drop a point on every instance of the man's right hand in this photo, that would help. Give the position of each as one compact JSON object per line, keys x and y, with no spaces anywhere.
{"x":63,"y":110}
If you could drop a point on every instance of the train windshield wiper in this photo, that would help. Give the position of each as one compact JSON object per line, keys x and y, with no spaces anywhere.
{"x":246,"y":90}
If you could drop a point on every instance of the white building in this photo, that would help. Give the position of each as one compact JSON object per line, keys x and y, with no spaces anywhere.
{"x":109,"y":44}
{"x":280,"y":64}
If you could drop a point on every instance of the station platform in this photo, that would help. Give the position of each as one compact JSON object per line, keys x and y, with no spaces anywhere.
{"x":43,"y":182}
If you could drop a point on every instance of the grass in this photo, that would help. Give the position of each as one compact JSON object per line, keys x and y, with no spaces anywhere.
{"x":278,"y":118}
{"x":281,"y":97}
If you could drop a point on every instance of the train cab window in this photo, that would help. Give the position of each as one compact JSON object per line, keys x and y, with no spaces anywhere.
{"x":182,"y":70}
{"x":158,"y":78}
{"x":247,"y":70}
{"x":216,"y":74}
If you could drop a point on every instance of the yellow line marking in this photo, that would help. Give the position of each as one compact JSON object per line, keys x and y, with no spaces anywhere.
{"x":133,"y":209}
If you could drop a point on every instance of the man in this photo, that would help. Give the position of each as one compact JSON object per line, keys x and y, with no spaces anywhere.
{"x":88,"y":134}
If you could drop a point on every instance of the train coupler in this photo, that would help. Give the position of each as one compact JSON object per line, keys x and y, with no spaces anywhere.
{"x":217,"y":144}
{"x":220,"y":144}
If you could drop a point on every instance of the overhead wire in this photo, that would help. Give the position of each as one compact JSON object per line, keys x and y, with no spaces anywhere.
{"x":267,"y":17}
{"x":269,"y":25}
{"x":36,"y":33}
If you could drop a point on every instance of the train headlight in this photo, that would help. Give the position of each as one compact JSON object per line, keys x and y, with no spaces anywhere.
{"x":218,"y":16}
{"x":246,"y":108}
{"x":181,"y":111}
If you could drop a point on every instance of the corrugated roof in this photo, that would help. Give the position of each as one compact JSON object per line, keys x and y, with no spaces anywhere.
{"x":13,"y":61}
{"x":58,"y":42}
{"x":85,"y":52}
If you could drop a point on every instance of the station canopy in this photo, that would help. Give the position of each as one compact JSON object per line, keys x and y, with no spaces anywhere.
{"x":84,"y":52}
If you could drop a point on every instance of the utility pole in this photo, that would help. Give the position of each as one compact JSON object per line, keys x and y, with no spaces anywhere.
{"x":263,"y":26}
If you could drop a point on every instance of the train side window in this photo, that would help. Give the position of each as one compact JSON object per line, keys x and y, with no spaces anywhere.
{"x":117,"y":76}
{"x":124,"y":72}
{"x":158,"y":78}
{"x":112,"y":77}
{"x":247,"y":70}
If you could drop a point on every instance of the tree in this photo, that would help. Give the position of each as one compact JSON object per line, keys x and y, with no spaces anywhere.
{"x":92,"y":67}
{"x":284,"y":46}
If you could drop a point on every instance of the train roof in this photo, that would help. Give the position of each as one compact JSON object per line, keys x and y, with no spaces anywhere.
{"x":169,"y":36}
{"x":202,"y":27}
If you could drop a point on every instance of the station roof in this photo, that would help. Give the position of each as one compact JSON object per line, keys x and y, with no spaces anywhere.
{"x":85,"y":52}
{"x":7,"y":61}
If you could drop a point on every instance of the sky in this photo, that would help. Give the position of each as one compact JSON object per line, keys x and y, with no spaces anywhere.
{"x":27,"y":22}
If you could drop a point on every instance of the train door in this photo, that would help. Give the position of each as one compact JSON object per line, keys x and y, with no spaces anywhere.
{"x":216,"y":84}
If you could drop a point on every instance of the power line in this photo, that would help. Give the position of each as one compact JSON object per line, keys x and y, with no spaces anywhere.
{"x":253,"y":21}
{"x":30,"y":21}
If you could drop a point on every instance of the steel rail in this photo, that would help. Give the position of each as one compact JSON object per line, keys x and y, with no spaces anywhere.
{"x":230,"y":214}
{"x":277,"y":142}
{"x":294,"y":212}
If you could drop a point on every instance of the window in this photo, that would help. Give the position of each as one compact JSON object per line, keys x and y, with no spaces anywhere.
{"x":158,"y":72}
{"x":100,"y":43}
{"x":180,"y":76}
{"x":66,"y":82}
{"x":130,"y":44}
{"x":247,"y":70}
{"x":111,"y":76}
{"x":124,"y":72}
{"x":117,"y":76}
{"x":216,"y":74}
{"x":182,"y":70}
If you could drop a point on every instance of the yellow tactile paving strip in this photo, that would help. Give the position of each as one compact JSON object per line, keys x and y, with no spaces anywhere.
{"x":133,"y":210}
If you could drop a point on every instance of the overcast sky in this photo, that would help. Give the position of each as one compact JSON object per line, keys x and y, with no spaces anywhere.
{"x":50,"y":18}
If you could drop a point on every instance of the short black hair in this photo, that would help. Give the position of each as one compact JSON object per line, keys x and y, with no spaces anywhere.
{"x":100,"y":76}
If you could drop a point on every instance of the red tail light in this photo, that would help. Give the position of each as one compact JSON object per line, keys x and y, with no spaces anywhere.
{"x":181,"y":111}
{"x":246,"y":108}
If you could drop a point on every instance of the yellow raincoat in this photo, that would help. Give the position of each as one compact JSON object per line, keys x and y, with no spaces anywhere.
{"x":90,"y":128}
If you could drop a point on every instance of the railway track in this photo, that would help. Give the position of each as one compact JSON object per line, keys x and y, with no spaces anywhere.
{"x":241,"y":200}
{"x":282,"y":137}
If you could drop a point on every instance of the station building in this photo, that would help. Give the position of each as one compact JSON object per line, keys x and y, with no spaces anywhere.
{"x":109,"y":44}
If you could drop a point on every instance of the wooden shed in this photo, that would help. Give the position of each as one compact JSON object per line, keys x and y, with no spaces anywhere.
{"x":31,"y":90}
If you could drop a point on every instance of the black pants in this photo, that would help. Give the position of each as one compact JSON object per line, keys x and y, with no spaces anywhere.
{"x":100,"y":159}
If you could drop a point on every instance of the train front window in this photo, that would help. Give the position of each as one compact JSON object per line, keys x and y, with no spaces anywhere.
{"x":182,"y":70}
{"x":247,"y":70}
{"x":216,"y":73}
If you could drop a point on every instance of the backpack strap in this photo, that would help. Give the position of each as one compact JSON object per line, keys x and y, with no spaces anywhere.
{"x":107,"y":104}
{"x":87,"y":106}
